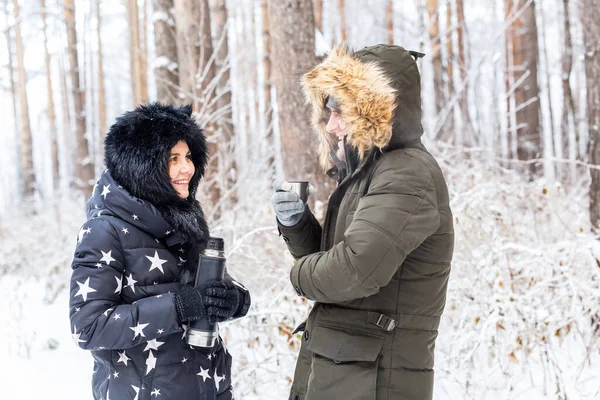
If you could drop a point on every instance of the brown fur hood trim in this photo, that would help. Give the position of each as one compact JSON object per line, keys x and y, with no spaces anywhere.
{"x":366,"y":97}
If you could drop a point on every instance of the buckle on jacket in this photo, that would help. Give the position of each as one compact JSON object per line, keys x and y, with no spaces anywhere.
{"x":386,"y":323}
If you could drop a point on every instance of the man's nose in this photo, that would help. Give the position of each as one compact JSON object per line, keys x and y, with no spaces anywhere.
{"x":332,"y":125}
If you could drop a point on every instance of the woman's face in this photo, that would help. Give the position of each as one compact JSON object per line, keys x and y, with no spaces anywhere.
{"x":181,"y":168}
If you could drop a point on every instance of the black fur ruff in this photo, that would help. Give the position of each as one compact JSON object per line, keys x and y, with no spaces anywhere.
{"x":136,"y":152}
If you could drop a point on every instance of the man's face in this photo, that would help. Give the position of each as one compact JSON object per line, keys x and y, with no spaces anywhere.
{"x":337,"y":126}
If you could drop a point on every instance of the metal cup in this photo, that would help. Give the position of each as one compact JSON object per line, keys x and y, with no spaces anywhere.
{"x":301,"y":188}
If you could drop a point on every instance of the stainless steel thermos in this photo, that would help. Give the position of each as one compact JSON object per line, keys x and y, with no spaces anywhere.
{"x":202,"y":333}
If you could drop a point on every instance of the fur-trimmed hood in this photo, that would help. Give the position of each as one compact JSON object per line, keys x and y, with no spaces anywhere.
{"x":378,"y":90}
{"x":136,"y":152}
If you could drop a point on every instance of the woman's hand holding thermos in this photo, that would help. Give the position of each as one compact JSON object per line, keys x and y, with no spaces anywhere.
{"x":215,"y":300}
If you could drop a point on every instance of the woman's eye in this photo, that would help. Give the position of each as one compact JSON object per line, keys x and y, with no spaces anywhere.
{"x":189,"y":157}
{"x":173,"y":159}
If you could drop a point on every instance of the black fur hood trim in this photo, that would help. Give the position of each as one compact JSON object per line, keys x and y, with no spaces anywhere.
{"x":136,"y":153}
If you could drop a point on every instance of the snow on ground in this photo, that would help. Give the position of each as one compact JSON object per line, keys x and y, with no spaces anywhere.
{"x":518,"y":323}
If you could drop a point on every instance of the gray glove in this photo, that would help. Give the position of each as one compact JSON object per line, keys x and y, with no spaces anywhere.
{"x":287,"y":205}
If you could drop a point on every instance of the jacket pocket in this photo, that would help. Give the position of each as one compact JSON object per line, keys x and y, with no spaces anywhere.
{"x":344,"y":364}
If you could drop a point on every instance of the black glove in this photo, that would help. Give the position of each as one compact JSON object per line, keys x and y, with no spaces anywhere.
{"x":216,"y":300}
{"x":222,"y":302}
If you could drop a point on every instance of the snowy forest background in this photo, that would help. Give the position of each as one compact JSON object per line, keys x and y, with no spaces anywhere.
{"x":511,"y":100}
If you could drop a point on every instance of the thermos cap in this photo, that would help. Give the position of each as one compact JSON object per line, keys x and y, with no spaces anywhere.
{"x":215,"y":243}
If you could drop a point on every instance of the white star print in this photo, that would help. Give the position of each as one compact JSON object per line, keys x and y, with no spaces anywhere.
{"x":204,"y":374}
{"x":123,"y":358}
{"x":125,"y":231}
{"x":107,"y":257}
{"x":184,"y":360}
{"x":181,"y":250}
{"x":135,"y":217}
{"x":119,"y":284}
{"x":137,"y":391}
{"x":218,"y":379}
{"x":167,"y":232}
{"x":116,"y":374}
{"x":117,"y":316}
{"x":138,"y":330}
{"x":98,"y":265}
{"x":157,"y":262}
{"x":150,"y":362}
{"x":105,"y":191}
{"x":160,"y":331}
{"x":84,"y":289}
{"x":105,"y":313}
{"x":185,"y":328}
{"x":131,"y":282}
{"x":181,"y":261}
{"x":99,"y":213}
{"x":76,"y":336}
{"x":81,"y":233}
{"x":153,"y":344}
{"x":155,"y":392}
{"x":209,"y":356}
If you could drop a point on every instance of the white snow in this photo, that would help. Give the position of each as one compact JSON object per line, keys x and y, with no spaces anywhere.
{"x":517,"y":325}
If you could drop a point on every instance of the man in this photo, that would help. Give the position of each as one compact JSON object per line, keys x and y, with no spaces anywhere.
{"x":378,"y":267}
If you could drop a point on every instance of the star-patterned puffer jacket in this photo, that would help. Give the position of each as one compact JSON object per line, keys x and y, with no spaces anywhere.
{"x":127,"y":265}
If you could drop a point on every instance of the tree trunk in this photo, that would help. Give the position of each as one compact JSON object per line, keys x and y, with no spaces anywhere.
{"x":11,"y":70}
{"x":389,"y":16}
{"x":224,"y":116}
{"x":135,"y":53}
{"x":28,"y":174}
{"x":462,"y":66}
{"x":342,"y":13}
{"x":166,"y":71}
{"x":436,"y":54}
{"x":450,"y":124}
{"x":555,"y":144}
{"x":523,"y":37}
{"x":84,"y":169}
{"x":569,"y":112}
{"x":144,"y":52}
{"x":194,"y":49}
{"x":197,"y":77}
{"x":101,"y":89}
{"x":51,"y":107}
{"x":187,"y":24}
{"x":291,"y":25}
{"x":591,"y":38}
{"x":318,"y":5}
{"x":266,"y":37}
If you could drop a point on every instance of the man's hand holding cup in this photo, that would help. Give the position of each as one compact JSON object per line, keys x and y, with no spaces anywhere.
{"x":289,"y":200}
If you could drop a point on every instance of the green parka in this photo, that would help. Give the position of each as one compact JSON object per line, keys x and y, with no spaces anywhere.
{"x":378,"y":267}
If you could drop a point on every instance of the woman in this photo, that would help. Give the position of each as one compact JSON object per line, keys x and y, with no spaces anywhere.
{"x":132,"y":291}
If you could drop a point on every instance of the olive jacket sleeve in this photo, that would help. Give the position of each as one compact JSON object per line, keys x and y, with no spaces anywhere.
{"x":393,"y":218}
